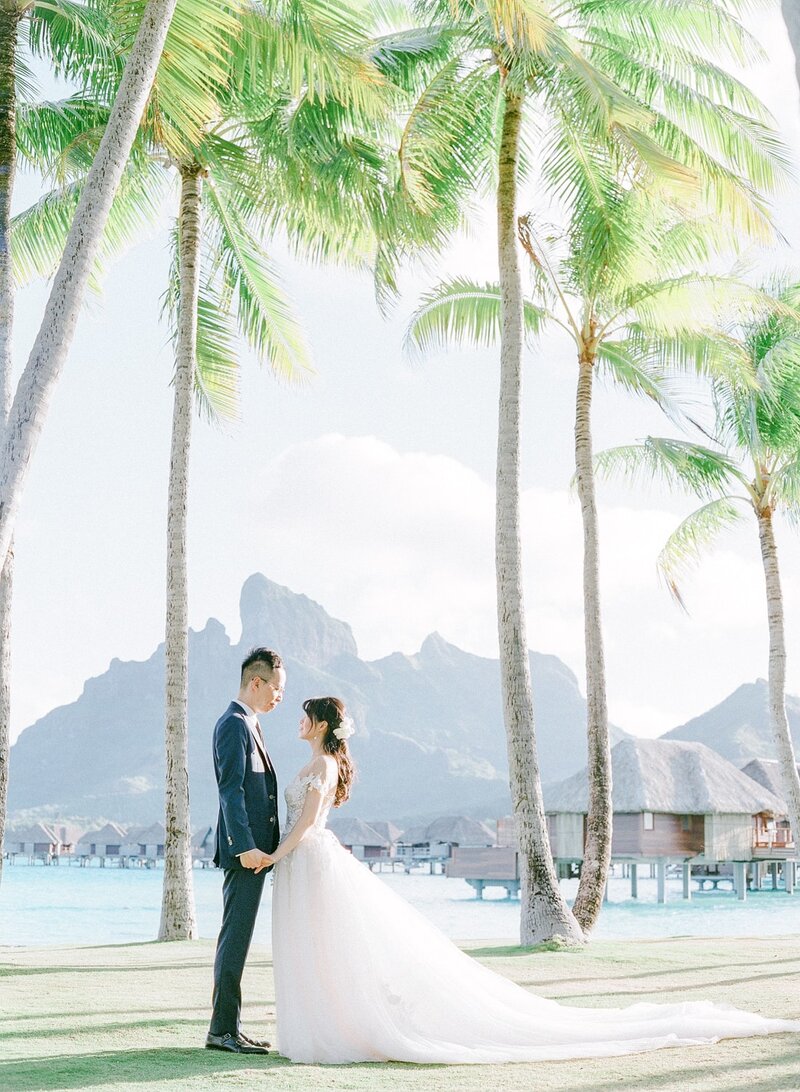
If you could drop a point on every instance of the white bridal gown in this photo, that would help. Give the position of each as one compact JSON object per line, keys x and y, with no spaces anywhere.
{"x":361,"y":976}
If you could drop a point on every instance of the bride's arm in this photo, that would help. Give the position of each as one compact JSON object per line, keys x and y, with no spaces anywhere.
{"x":308,"y":816}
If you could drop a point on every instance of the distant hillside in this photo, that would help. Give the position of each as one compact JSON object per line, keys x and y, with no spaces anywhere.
{"x":738,"y":728}
{"x":430,"y":736}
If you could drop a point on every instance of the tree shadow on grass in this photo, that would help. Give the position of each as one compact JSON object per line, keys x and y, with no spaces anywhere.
{"x":663,"y":972}
{"x":70,"y":1014}
{"x":779,"y":1071}
{"x":644,"y":995}
{"x":504,"y":951}
{"x":142,"y":968}
{"x":105,"y":1028}
{"x":121,"y":1067}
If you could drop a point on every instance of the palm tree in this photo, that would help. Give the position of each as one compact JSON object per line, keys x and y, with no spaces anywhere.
{"x":40,"y":374}
{"x":633,"y":316}
{"x":73,"y":38}
{"x":275,"y":153}
{"x":268,"y":127}
{"x":593,"y":74}
{"x":754,"y":466}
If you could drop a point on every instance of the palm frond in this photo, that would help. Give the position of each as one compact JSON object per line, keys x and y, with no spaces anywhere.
{"x":264,"y":315}
{"x":784,"y":489}
{"x":218,"y":372}
{"x":461,"y":312}
{"x":693,"y":467}
{"x":38,"y":234}
{"x":696,"y":533}
{"x":76,"y":38}
{"x":60,"y":138}
{"x":446,"y":137}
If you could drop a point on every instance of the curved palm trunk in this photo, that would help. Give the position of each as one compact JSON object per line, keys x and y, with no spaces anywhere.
{"x":544,"y":913}
{"x":177,"y":905}
{"x":8,"y":156}
{"x":597,"y":848}
{"x":791,"y":17}
{"x":38,"y":380}
{"x":777,"y":672}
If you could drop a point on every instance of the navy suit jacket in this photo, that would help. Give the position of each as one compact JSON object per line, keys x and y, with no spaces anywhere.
{"x":248,"y":791}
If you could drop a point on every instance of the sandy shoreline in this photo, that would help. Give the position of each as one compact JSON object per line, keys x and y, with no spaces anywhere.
{"x":133,"y":1017}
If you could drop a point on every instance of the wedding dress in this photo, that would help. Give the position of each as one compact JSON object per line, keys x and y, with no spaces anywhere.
{"x":360,"y":975}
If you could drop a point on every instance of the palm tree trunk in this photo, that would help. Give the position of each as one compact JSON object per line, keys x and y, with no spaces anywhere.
{"x":8,"y":157}
{"x":777,"y":672}
{"x":544,"y":913}
{"x":38,"y":380}
{"x":177,"y":905}
{"x":597,"y":848}
{"x":791,"y":17}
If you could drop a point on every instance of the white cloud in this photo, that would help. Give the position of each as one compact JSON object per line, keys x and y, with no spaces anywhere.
{"x":400,"y":545}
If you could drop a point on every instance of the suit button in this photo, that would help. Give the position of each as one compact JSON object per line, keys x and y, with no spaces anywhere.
{"x":230,"y":841}
{"x":271,"y":797}
{"x":272,"y":818}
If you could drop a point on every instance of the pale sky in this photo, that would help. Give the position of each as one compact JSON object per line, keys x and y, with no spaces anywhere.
{"x":370,"y":490}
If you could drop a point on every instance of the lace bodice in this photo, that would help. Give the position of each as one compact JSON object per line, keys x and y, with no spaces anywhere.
{"x":295,"y":796}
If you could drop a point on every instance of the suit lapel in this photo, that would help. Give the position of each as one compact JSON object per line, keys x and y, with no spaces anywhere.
{"x":261,"y":748}
{"x":256,"y":735}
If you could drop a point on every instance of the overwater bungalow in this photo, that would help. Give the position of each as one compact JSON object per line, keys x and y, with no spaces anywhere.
{"x":676,"y":803}
{"x":69,"y":834}
{"x":363,"y":841}
{"x":203,"y":845}
{"x":105,"y":843}
{"x":388,"y":831}
{"x":774,"y":834}
{"x":437,"y":841}
{"x":146,"y":845}
{"x":35,"y":843}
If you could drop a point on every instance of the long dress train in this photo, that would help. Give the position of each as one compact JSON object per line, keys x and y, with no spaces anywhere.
{"x":360,"y":975}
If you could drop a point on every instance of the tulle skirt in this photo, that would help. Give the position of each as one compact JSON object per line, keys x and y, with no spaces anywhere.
{"x":361,"y":976}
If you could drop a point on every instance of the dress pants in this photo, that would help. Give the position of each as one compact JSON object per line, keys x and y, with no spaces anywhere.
{"x":241,"y":895}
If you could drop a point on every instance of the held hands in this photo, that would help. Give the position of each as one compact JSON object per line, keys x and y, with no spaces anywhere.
{"x":255,"y":859}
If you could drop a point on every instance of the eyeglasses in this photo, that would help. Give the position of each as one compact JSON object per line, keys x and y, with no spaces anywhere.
{"x":269,"y":682}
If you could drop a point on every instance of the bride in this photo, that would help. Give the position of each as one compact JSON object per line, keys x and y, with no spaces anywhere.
{"x":361,"y":976}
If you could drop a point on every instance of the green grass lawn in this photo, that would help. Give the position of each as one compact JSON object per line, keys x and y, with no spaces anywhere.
{"x":135,"y":1017}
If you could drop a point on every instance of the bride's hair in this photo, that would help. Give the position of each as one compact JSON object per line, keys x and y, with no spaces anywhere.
{"x":333,"y":711}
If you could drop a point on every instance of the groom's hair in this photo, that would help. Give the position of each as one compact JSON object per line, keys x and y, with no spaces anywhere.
{"x":259,"y":661}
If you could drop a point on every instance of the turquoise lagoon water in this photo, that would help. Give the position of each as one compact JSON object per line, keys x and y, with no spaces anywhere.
{"x":66,"y":904}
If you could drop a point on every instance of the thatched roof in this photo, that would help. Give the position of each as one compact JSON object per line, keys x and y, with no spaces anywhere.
{"x":37,"y":833}
{"x":387,"y":830}
{"x":203,"y":838}
{"x":455,"y":829}
{"x":154,"y":835}
{"x":670,"y":776}
{"x":414,"y":836}
{"x":69,"y":833}
{"x":355,"y":832}
{"x":461,"y":831}
{"x":110,"y":834}
{"x":767,"y":772}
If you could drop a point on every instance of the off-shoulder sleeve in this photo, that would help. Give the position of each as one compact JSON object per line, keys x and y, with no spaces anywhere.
{"x":318,"y":781}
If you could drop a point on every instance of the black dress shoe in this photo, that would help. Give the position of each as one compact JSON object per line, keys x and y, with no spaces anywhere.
{"x":234,"y":1044}
{"x":253,"y":1042}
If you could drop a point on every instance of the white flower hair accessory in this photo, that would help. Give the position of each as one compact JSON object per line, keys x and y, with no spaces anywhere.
{"x":346,"y":728}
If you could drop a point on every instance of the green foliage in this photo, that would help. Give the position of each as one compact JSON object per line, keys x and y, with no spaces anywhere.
{"x":756,"y":460}
{"x":463,"y":313}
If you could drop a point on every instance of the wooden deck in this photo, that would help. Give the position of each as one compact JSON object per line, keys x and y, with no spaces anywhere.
{"x":498,"y":866}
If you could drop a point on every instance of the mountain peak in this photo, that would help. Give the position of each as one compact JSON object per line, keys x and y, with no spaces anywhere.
{"x":292,"y":624}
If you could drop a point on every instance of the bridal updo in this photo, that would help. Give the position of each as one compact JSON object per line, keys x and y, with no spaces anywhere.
{"x":340,"y":728}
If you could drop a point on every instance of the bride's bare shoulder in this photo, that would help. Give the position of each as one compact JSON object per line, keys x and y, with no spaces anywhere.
{"x":324,"y":764}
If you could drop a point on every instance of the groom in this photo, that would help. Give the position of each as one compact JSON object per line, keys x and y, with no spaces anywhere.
{"x":247,"y":830}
